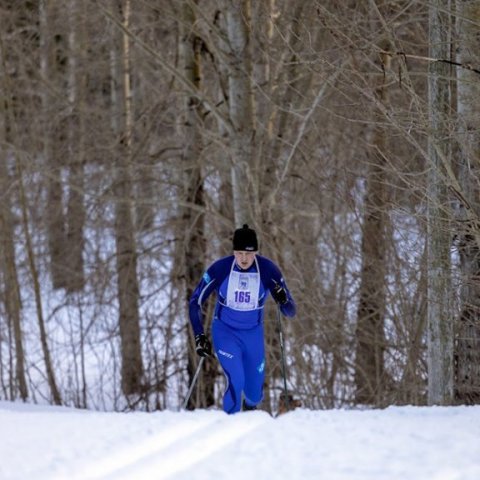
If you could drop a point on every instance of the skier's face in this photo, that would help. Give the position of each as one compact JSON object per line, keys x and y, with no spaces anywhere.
{"x":244,"y":259}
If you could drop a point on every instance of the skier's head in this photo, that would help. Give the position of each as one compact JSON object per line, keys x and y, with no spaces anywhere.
{"x":245,"y":239}
{"x":245,"y":246}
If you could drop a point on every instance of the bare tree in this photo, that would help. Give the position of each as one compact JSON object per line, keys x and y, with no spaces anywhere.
{"x":126,"y":252}
{"x":190,"y":263}
{"x":11,"y":294}
{"x":49,"y":368}
{"x":370,"y":382}
{"x":370,"y":338}
{"x":75,"y":211}
{"x":52,"y":60}
{"x":440,"y":332}
{"x":241,"y":108}
{"x":467,"y":327}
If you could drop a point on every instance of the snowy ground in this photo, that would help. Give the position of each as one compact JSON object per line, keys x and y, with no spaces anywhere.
{"x":404,"y":443}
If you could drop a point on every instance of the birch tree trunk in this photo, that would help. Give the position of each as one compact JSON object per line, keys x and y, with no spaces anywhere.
{"x":439,"y":314}
{"x":226,"y":203}
{"x":126,"y":254}
{"x":467,"y":328}
{"x":284,"y":89}
{"x":240,"y":97}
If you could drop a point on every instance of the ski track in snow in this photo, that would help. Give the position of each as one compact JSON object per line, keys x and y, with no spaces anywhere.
{"x":173,"y":450}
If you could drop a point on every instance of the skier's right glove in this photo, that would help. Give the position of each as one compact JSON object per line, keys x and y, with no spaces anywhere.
{"x":203,"y":347}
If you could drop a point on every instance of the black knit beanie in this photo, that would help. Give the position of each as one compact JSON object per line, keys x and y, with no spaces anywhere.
{"x":245,"y":239}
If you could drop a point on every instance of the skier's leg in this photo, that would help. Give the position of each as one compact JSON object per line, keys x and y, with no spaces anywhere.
{"x":229,"y":355}
{"x":254,"y":365}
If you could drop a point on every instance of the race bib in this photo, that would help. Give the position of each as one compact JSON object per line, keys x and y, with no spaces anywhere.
{"x":243,"y":290}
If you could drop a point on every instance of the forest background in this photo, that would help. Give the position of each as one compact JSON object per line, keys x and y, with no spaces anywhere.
{"x":135,"y":136}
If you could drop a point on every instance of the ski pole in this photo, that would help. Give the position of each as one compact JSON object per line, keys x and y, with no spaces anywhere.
{"x":284,"y":365}
{"x":187,"y":398}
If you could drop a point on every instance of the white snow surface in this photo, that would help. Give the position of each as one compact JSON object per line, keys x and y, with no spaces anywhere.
{"x":404,"y":443}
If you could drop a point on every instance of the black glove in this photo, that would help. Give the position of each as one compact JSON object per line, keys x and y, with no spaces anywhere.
{"x":203,"y":347}
{"x":279,"y":294}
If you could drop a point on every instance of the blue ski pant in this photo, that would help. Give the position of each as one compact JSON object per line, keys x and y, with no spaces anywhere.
{"x":241,"y":354}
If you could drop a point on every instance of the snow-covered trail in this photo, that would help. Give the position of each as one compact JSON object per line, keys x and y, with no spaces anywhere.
{"x":398,"y":443}
{"x":173,"y":450}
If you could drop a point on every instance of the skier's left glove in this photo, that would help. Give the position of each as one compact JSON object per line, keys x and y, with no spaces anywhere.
{"x":203,"y":347}
{"x":279,"y":294}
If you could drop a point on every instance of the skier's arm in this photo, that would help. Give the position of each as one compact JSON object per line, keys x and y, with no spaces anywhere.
{"x":198,"y":298}
{"x":276,"y":284}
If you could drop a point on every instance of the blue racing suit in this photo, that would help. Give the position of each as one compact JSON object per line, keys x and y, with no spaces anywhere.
{"x":237,"y":328}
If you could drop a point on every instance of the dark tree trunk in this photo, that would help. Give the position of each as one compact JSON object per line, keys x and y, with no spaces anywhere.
{"x":369,"y":335}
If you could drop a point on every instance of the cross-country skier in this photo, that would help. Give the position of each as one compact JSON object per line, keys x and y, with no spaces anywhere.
{"x":242,"y":282}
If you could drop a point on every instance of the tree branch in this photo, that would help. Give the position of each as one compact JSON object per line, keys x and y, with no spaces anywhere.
{"x":466,"y":66}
